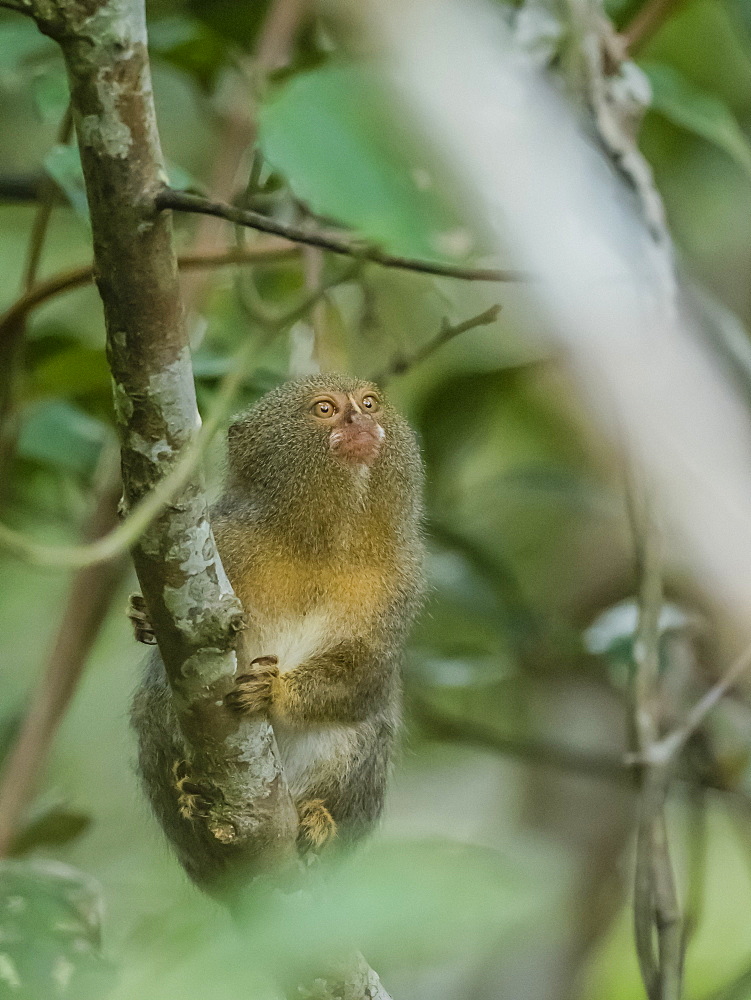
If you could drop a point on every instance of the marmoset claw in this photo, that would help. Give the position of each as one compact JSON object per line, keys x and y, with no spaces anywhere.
{"x":317,"y":826}
{"x":194,"y":801}
{"x":253,"y":692}
{"x":139,"y":619}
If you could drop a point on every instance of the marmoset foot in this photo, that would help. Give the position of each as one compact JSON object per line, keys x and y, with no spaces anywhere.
{"x":193,"y":800}
{"x":253,"y":692}
{"x":317,"y":826}
{"x":139,"y":619}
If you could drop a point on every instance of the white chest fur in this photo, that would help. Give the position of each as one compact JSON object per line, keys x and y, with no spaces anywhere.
{"x":292,"y":640}
{"x":310,"y":754}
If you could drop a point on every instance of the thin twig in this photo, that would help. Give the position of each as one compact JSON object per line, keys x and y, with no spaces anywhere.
{"x":646,"y":23}
{"x":666,"y":749}
{"x":239,"y":127}
{"x":43,"y":214}
{"x":20,"y":187}
{"x":122,"y":537}
{"x":656,"y":906}
{"x":598,"y":766}
{"x":696,"y":865}
{"x":182,"y":201}
{"x":447,"y":332}
{"x":79,"y":277}
{"x":12,"y":343}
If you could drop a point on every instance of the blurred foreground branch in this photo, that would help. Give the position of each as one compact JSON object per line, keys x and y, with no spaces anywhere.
{"x":151,"y":504}
{"x":88,"y":602}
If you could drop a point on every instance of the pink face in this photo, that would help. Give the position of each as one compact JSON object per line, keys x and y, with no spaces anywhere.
{"x":355,"y":434}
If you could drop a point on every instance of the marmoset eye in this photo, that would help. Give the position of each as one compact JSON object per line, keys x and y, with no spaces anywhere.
{"x":370,"y":402}
{"x":323,"y":408}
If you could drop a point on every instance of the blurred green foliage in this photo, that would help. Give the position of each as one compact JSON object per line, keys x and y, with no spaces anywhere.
{"x":491,"y":877}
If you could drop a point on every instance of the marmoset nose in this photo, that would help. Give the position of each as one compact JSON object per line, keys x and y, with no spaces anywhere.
{"x":357,"y":418}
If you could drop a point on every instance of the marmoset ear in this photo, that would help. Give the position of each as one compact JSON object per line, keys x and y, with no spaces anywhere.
{"x":237,"y":437}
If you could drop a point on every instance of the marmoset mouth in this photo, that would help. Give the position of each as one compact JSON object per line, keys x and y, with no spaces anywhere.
{"x":357,"y":442}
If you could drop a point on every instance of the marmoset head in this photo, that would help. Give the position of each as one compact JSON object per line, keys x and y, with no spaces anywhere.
{"x":351,"y":421}
{"x":327,"y":441}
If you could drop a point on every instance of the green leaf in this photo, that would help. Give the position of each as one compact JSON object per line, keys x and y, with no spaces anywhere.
{"x":21,"y":42}
{"x":63,"y":164}
{"x":190,"y":46}
{"x":236,"y":23}
{"x":181,"y":178}
{"x":56,"y":433}
{"x":73,"y":371}
{"x":50,"y":928}
{"x":406,"y":902}
{"x":50,"y":826}
{"x":51,"y":94}
{"x":331,"y":134}
{"x":706,"y":115}
{"x":9,"y":726}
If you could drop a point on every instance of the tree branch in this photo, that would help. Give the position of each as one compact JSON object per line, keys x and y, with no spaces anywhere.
{"x":46,"y":195}
{"x":12,"y":345}
{"x":656,"y":907}
{"x":182,"y":201}
{"x":23,"y":187}
{"x":569,"y":760}
{"x":195,"y":614}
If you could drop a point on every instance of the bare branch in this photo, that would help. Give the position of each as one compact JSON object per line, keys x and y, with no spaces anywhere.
{"x":447,"y":332}
{"x":67,"y":281}
{"x":21,"y":187}
{"x":598,"y":766}
{"x":20,"y":6}
{"x":11,"y":346}
{"x":182,"y":201}
{"x":664,"y":751}
{"x":46,"y":195}
{"x":656,"y":907}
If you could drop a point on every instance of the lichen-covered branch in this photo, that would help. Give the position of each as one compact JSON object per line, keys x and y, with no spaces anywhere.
{"x":195,"y":614}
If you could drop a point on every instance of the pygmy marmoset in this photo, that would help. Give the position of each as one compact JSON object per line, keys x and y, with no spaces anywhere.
{"x":319,"y":531}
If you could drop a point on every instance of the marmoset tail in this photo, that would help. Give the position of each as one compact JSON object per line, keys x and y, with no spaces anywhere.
{"x":319,"y":529}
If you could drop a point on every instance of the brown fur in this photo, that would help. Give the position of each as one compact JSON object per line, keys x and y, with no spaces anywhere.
{"x":325,"y":554}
